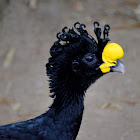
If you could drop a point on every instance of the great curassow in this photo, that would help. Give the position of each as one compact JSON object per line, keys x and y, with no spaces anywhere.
{"x":76,"y":61}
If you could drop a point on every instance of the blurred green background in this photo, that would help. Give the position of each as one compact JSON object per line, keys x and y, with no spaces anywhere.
{"x":27,"y":31}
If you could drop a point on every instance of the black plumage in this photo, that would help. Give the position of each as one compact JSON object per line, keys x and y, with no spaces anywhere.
{"x":72,"y":68}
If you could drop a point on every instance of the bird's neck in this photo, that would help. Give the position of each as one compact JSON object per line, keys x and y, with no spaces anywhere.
{"x":67,"y":109}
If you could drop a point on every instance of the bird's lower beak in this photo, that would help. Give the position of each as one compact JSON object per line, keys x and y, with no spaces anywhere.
{"x":119,"y":67}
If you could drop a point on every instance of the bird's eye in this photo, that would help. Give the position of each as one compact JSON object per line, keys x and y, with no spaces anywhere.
{"x":89,"y":58}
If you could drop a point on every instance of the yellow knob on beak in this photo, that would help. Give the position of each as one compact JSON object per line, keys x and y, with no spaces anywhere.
{"x":110,"y":56}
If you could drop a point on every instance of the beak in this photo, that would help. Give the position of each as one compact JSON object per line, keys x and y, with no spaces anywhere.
{"x":119,"y":67}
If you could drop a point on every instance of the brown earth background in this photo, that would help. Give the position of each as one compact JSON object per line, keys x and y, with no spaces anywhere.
{"x":28,"y":30}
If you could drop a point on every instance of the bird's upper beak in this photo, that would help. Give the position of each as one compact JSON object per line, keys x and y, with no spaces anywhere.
{"x":119,"y":67}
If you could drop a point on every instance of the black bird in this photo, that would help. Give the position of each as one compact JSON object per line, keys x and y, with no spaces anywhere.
{"x":76,"y":61}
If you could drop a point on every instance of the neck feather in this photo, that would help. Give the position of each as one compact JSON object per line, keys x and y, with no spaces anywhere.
{"x":68,"y":97}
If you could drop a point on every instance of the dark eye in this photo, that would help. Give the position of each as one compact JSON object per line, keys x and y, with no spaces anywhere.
{"x":89,"y":58}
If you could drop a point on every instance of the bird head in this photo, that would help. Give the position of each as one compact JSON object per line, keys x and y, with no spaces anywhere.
{"x":79,"y":60}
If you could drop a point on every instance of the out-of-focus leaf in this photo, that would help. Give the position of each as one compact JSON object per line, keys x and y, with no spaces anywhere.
{"x":113,"y":106}
{"x":116,"y":106}
{"x":3,"y":100}
{"x":127,"y":101}
{"x":9,"y":57}
{"x":16,"y":106}
{"x":105,"y":105}
{"x":131,"y":2}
